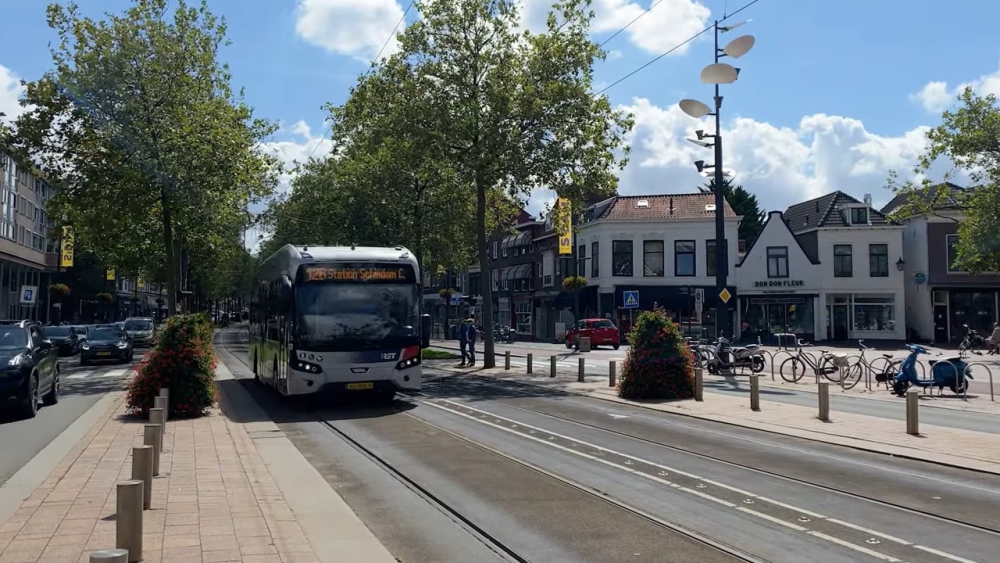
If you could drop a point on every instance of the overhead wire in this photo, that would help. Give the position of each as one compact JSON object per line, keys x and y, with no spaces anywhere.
{"x":674,"y":48}
{"x":374,"y":62}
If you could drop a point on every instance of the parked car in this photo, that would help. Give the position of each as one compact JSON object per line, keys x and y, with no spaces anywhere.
{"x":106,"y":342}
{"x":81,"y":335}
{"x":65,"y":338}
{"x":600,"y":331}
{"x":140,"y":330}
{"x":29,"y":368}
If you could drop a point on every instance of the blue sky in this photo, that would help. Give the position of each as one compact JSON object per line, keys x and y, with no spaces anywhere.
{"x":833,"y":95}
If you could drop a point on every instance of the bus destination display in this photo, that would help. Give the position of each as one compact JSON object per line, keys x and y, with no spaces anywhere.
{"x":367,"y":273}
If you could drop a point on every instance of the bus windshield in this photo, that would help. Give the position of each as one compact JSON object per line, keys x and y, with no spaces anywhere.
{"x":335,"y":316}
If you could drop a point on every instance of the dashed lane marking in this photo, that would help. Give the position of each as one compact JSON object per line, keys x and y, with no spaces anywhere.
{"x":666,"y":470}
{"x":80,"y":375}
{"x":116,"y":372}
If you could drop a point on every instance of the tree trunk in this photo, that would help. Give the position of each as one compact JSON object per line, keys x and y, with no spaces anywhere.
{"x":485,"y":275}
{"x":168,"y":245}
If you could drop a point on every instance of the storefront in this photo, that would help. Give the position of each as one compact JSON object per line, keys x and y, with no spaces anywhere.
{"x":956,"y":307}
{"x":769,"y":308}
{"x":856,"y":316}
{"x":679,"y":302}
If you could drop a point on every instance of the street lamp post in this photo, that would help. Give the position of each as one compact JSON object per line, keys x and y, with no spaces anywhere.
{"x":718,"y":73}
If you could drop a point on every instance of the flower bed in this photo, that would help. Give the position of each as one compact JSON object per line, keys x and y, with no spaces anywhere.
{"x":181,"y":360}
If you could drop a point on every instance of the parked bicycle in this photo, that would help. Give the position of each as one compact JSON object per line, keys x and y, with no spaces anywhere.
{"x":884,"y":374}
{"x":828,"y":365}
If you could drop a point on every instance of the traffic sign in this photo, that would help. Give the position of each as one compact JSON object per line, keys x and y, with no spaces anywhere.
{"x":631,"y":299}
{"x":919,"y":278}
{"x":699,"y":295}
{"x":29,"y":294}
{"x":725,"y":295}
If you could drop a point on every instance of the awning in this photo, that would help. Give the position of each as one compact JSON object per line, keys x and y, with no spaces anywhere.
{"x":520,"y":239}
{"x":507,"y":242}
{"x":520,"y":271}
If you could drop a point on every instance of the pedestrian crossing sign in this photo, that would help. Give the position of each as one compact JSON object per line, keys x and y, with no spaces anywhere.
{"x":631,"y":299}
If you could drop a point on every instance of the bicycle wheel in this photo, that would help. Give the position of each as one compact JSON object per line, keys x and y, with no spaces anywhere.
{"x":829,"y":370}
{"x":852,"y":375}
{"x":792,"y":369}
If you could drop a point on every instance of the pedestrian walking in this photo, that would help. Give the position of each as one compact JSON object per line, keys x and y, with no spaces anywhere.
{"x":995,"y":339}
{"x":473,"y":336}
{"x":463,"y":341}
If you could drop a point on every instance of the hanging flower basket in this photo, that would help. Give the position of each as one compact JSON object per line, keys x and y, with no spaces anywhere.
{"x":445,"y":293}
{"x":59,"y":289}
{"x":105,"y":297}
{"x":574,"y":283}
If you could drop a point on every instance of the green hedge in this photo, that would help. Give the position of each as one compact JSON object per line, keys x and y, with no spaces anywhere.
{"x":659,"y":364}
{"x":182,"y":360}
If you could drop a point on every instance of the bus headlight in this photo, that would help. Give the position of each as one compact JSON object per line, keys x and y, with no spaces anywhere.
{"x":307,"y":367}
{"x":408,"y":363}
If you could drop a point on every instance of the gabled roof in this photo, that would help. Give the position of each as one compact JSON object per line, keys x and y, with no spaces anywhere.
{"x":823,"y":212}
{"x":951,"y":200}
{"x":657,"y":207}
{"x":763,"y":227}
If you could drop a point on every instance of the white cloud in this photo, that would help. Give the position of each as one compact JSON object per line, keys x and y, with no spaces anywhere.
{"x":10,"y":91}
{"x":358,"y":28}
{"x":936,"y":97}
{"x":299,"y":148}
{"x":668,"y":24}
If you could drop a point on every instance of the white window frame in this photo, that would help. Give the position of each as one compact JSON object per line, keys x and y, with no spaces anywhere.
{"x":523,"y":312}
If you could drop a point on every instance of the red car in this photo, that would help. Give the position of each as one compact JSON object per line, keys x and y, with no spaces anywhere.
{"x":600,"y":332}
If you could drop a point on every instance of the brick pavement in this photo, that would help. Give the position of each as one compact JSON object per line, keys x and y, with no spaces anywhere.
{"x":214,"y":501}
{"x":948,"y":446}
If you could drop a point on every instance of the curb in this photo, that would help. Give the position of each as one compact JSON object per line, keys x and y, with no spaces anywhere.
{"x":819,"y":439}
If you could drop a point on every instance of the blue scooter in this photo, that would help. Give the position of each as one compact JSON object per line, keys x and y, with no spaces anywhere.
{"x":942,"y":374}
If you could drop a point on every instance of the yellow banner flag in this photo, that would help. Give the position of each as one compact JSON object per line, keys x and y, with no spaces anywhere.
{"x":563,"y":222}
{"x":110,"y":274}
{"x":67,"y":247}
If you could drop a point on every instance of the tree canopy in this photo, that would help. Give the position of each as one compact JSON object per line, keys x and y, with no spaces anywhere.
{"x":968,"y":137}
{"x":138,"y":127}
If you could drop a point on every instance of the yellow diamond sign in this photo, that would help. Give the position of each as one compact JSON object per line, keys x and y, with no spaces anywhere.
{"x":725,"y":295}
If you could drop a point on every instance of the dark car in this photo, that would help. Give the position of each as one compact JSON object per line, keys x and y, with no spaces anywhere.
{"x":29,"y":368}
{"x":66,"y":339}
{"x":106,"y":342}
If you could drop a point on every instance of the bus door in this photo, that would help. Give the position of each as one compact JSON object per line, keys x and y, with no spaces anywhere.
{"x":284,"y":336}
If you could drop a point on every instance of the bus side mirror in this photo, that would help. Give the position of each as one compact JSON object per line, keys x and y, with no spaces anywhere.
{"x":425,"y":331}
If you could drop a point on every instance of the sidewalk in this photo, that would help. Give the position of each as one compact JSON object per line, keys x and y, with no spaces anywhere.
{"x":946,"y":446}
{"x":216,"y":500}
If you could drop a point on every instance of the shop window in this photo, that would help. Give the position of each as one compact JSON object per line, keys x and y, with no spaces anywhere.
{"x":874,"y":314}
{"x":952,"y":241}
{"x":777,"y":261}
{"x":523,"y":317}
{"x":710,"y":257}
{"x":652,"y":258}
{"x":878,"y":260}
{"x":843,"y":261}
{"x":621,"y":258}
{"x":595,"y":262}
{"x":684,"y":258}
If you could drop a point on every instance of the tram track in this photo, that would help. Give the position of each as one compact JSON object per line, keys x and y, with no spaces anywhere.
{"x":995,"y":531}
{"x":479,"y":532}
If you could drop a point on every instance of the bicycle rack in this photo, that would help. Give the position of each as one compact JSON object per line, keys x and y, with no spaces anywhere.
{"x":955,"y":369}
{"x":988,"y":371}
{"x":767,"y":354}
{"x":774,"y":362}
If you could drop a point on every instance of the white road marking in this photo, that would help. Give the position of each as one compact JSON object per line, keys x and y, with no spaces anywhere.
{"x":943,"y":554}
{"x":79,"y":375}
{"x":617,"y":416}
{"x":695,"y":492}
{"x":115,"y":372}
{"x":855,"y":547}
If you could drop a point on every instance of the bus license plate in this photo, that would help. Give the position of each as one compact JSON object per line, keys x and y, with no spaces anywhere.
{"x":360,"y":386}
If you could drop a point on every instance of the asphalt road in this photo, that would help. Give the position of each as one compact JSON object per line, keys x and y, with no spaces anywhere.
{"x":21,"y":440}
{"x":471,"y":467}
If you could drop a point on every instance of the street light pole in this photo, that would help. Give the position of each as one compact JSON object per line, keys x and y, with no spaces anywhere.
{"x":718,"y":73}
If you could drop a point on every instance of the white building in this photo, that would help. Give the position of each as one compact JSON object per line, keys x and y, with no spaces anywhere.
{"x":661,"y":246}
{"x":827,"y":269}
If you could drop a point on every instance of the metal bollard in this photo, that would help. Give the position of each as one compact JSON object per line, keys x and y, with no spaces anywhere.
{"x":506,"y":360}
{"x":156,"y":417}
{"x":552,"y":366}
{"x":699,"y":384}
{"x":530,"y":359}
{"x":824,"y":401}
{"x":151,"y":437}
{"x":109,"y":556}
{"x":164,"y":392}
{"x":755,"y":393}
{"x":161,"y":403}
{"x":128,"y":520}
{"x":142,"y":470}
{"x":612,"y":373}
{"x":579,"y":374}
{"x":912,"y":412}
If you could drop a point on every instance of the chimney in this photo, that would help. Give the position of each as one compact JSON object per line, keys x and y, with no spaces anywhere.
{"x":868,"y":200}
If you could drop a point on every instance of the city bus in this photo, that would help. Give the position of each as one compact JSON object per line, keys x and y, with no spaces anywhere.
{"x":338,"y":318}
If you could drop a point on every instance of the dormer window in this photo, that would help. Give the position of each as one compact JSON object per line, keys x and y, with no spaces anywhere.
{"x":642,"y":203}
{"x":859,"y":215}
